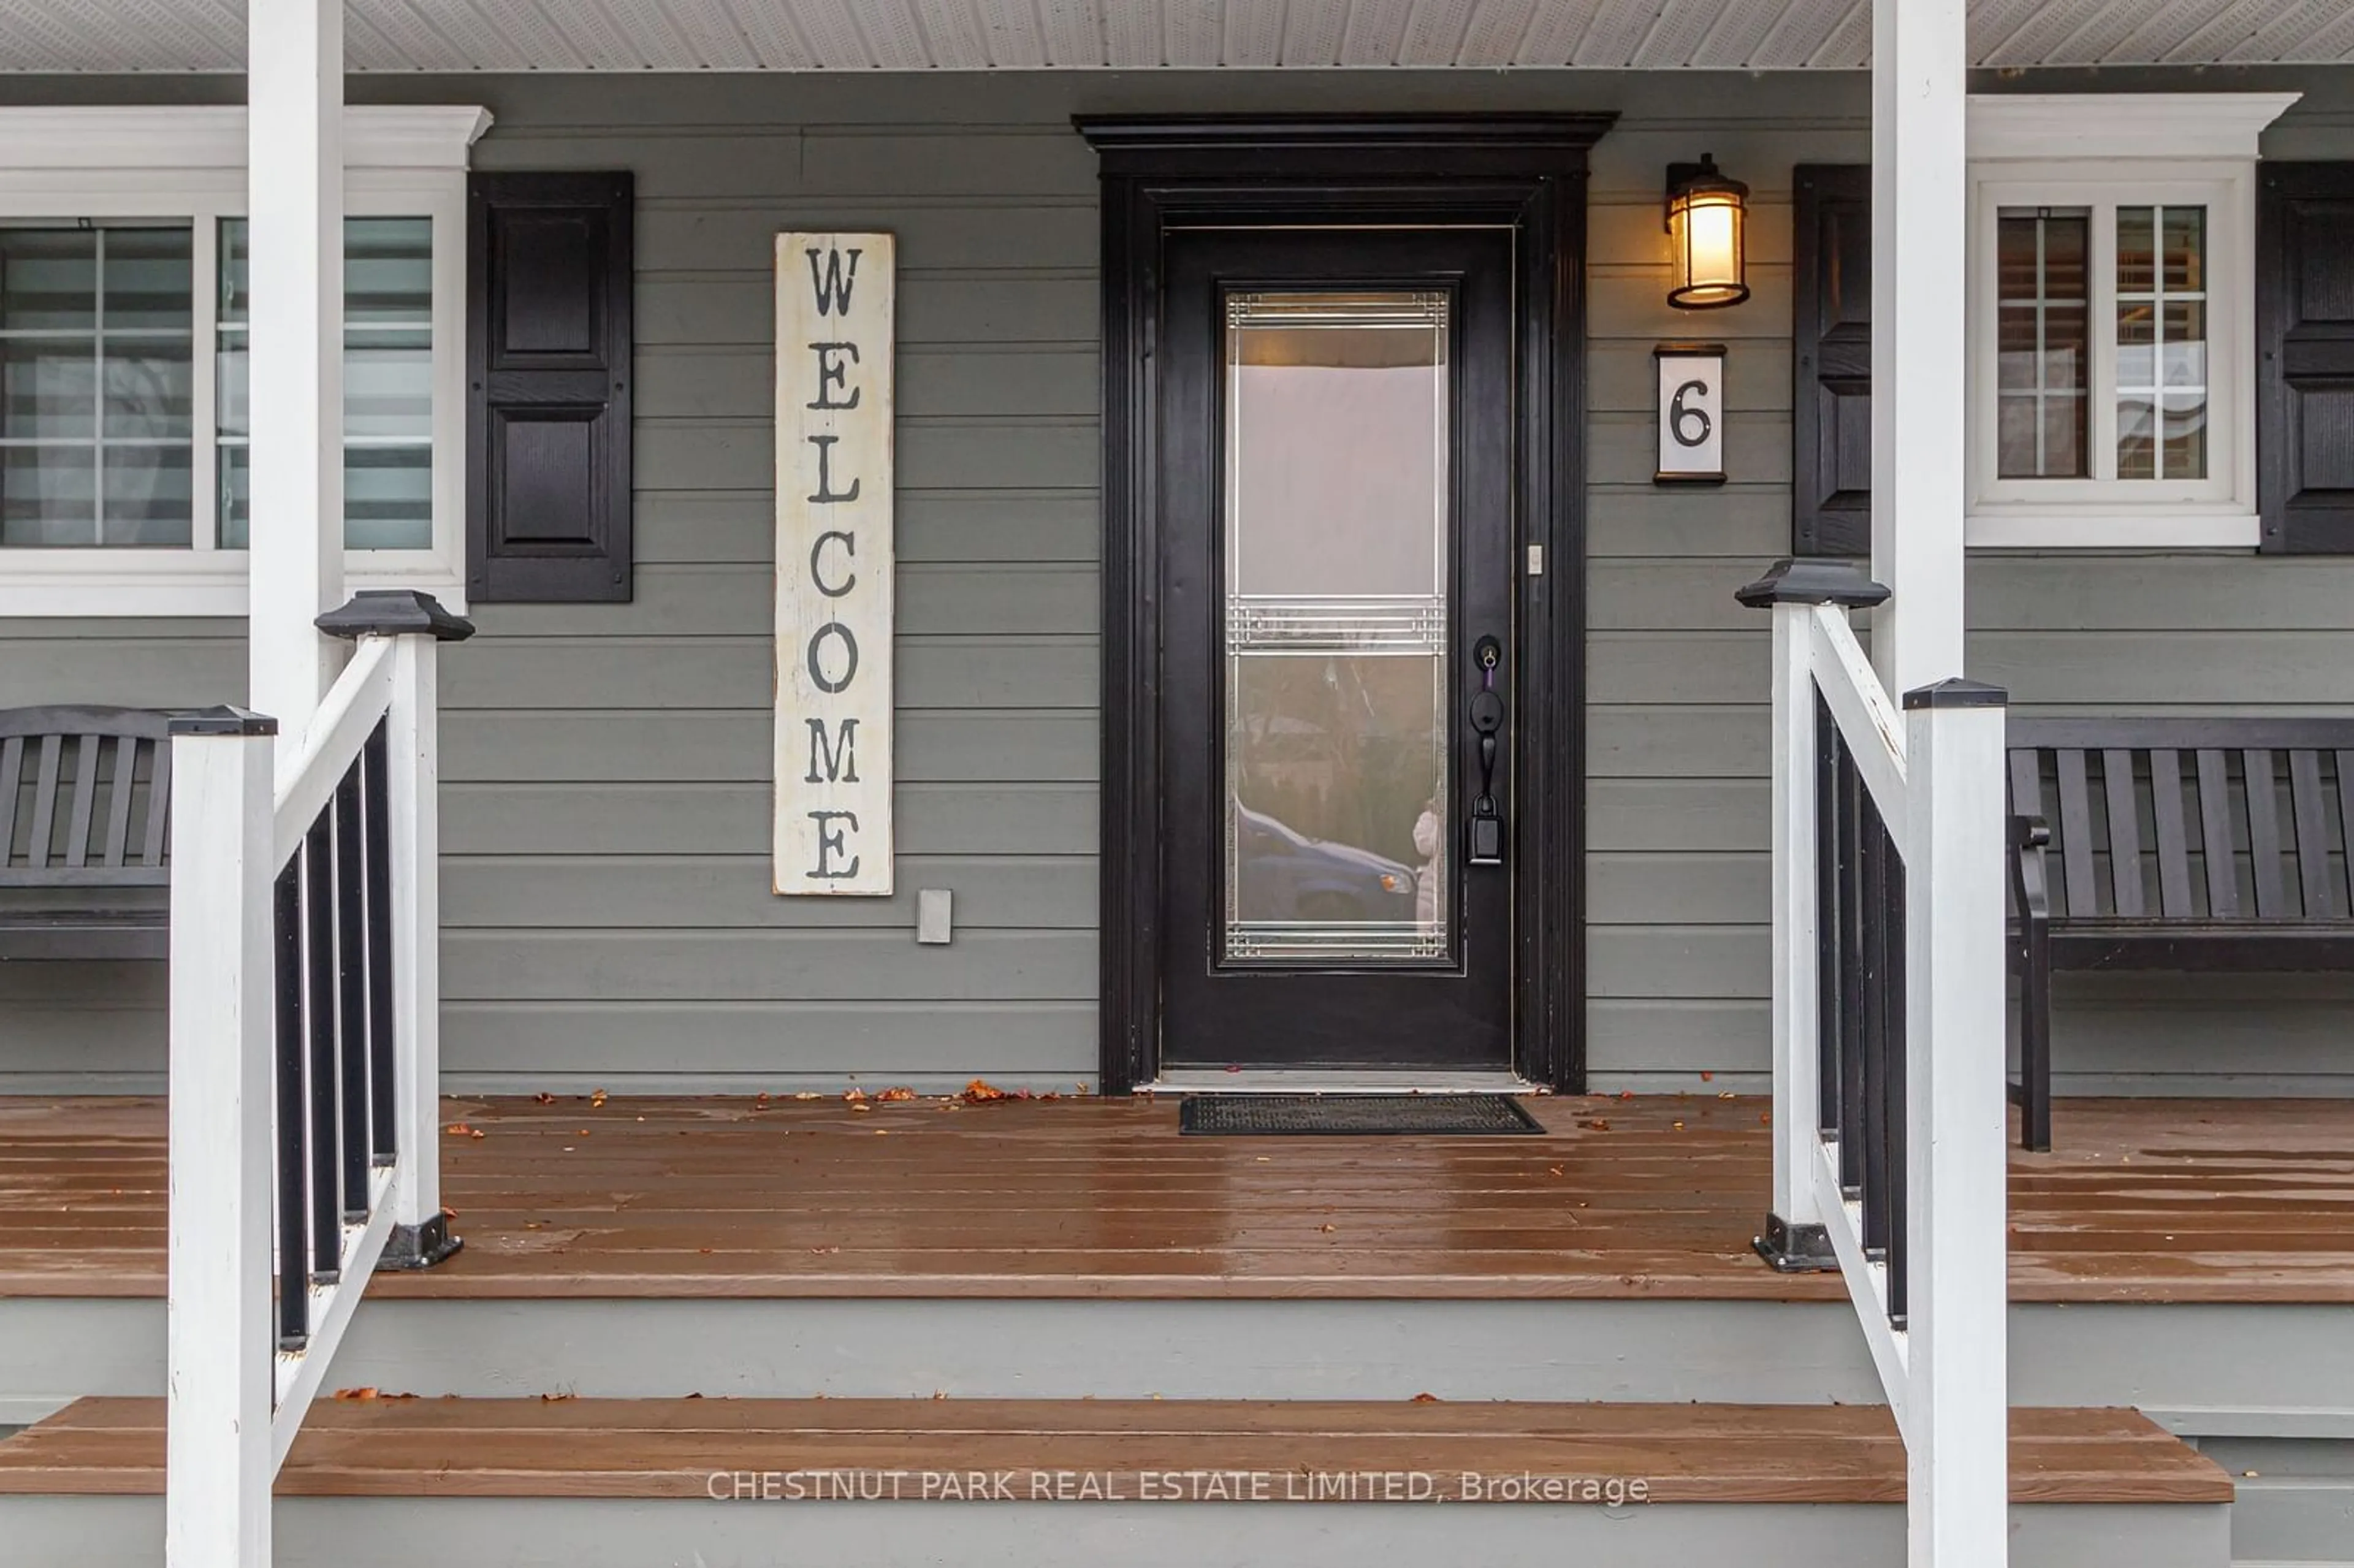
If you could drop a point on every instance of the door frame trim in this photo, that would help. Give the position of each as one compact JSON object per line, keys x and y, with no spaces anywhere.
{"x":1527,"y":172}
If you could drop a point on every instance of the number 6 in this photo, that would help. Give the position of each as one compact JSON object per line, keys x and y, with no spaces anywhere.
{"x":1678,"y":413}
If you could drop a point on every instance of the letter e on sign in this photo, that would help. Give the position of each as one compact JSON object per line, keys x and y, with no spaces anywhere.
{"x":835,"y":294}
{"x":1691,"y":413}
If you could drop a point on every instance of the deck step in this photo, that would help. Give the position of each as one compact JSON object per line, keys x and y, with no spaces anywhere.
{"x":585,"y":1482}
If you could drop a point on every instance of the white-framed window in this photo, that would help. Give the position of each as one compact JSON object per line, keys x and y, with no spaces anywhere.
{"x":2111,"y":319}
{"x":123,"y":314}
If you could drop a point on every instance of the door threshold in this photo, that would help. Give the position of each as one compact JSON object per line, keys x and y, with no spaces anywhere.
{"x":1339,"y":1081}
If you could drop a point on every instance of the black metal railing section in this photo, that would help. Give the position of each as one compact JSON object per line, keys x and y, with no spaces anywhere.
{"x":335,"y":1120}
{"x":1860,"y":932}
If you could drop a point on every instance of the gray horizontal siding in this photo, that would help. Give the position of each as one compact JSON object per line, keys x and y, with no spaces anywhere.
{"x":1677,"y":672}
{"x":608,"y":769}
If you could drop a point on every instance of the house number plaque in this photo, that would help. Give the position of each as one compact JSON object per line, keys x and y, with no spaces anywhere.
{"x":1691,"y":413}
{"x":835,"y":299}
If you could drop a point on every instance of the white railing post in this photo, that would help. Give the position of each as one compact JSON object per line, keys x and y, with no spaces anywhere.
{"x":1957,"y":1428}
{"x":1794,"y":1238}
{"x":418,"y":625}
{"x":220,"y":1343}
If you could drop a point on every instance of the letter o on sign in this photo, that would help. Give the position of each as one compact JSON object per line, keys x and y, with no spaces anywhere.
{"x":817,"y":663}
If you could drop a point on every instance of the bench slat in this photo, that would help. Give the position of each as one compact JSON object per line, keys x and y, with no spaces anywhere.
{"x":2076,"y":838}
{"x":85,"y":796}
{"x":118,"y":803}
{"x":2263,"y":833}
{"x":2310,"y":815}
{"x":45,"y":802}
{"x":2346,"y":822}
{"x":12,"y":768}
{"x":2215,"y":837}
{"x":159,"y":805}
{"x":2173,"y":840}
{"x":2125,"y":832}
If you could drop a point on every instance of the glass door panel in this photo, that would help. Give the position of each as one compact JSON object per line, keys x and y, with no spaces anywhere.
{"x":1338,"y":825}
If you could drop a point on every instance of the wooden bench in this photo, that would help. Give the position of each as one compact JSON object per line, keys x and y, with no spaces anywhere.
{"x":85,"y":798}
{"x":2172,"y":843}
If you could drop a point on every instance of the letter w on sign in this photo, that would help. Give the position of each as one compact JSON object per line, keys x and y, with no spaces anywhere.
{"x":834,"y":768}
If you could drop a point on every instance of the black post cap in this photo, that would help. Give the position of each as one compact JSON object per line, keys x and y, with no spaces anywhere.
{"x":395,"y":612}
{"x":223,"y":720}
{"x":1812,"y":580}
{"x":1956,"y":693}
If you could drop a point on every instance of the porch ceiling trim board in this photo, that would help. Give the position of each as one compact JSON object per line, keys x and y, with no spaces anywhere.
{"x":402,"y":35}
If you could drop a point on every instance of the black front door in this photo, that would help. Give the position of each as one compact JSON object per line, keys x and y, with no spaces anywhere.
{"x":1337,"y":653}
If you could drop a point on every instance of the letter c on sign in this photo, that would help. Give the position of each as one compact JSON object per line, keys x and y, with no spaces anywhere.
{"x":850,"y":650}
{"x":817,"y":571}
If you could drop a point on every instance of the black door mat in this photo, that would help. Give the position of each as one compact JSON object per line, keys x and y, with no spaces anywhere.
{"x":1312,"y":1114}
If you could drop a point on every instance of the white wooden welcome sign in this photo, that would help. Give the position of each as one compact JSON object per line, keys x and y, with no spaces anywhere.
{"x":835,"y":299}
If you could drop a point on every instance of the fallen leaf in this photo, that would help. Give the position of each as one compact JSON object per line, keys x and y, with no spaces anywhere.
{"x":1679,"y":1126}
{"x":543,"y":1098}
{"x":355,"y":1394}
{"x":982,"y":1090}
{"x":939,"y":1393}
{"x":448,"y":1212}
{"x":597,"y":1097}
{"x":821,"y":1251}
{"x":1765,"y":1119}
{"x":459,"y":1130}
{"x":1596,"y":1124}
{"x":1326,"y":1228}
{"x":861,"y":1106}
{"x":1727,"y":1095}
{"x":897,"y":1093}
{"x":854,"y":1096}
{"x":555,"y":1398}
{"x":809,"y":1095}
{"x":1626,"y":1094}
{"x":1554,"y":1170}
{"x":1425,"y":1399}
{"x":693,"y":1397}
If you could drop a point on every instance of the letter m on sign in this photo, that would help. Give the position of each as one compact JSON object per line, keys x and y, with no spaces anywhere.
{"x":833,"y":833}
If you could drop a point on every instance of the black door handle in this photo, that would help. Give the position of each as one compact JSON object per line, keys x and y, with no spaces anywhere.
{"x":1485,"y":832}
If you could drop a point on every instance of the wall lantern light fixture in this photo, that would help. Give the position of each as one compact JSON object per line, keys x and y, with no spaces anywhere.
{"x":1705,"y":214}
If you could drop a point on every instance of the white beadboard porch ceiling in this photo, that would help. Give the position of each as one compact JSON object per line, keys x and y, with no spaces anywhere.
{"x":976,"y":35}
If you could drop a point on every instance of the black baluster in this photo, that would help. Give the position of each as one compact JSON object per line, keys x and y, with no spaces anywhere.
{"x":377,"y":832}
{"x":1827,"y":917}
{"x":293,"y":1291}
{"x":351,"y":993}
{"x":1874,"y":1131}
{"x":1899,"y":1122}
{"x":1853,"y":914}
{"x":319,"y":921}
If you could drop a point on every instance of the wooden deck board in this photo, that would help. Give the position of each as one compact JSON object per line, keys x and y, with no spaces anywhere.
{"x":2213,"y":1201}
{"x":672,"y":1448}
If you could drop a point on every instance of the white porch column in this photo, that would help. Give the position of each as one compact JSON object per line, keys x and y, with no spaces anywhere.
{"x":294,"y":172}
{"x":1919,"y":209}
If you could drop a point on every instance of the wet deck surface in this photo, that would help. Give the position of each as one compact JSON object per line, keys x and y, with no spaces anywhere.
{"x":2149,"y":1199}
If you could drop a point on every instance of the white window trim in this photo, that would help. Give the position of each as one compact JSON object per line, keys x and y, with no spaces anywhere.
{"x":189,"y":162}
{"x":2101,"y":151}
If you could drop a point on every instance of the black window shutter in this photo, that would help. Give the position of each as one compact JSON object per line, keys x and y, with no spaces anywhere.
{"x":2304,"y":345}
{"x":1830,"y":393}
{"x":547,"y":366}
